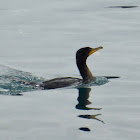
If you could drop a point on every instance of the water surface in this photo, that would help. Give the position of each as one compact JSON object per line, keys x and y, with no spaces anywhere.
{"x":41,"y":37}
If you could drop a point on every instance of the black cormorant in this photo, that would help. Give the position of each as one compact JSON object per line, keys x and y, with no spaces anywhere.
{"x":81,"y":57}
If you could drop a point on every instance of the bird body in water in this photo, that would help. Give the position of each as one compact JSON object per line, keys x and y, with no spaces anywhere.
{"x":19,"y":81}
{"x":87,"y":77}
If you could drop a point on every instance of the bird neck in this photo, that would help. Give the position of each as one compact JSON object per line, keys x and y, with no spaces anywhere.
{"x":84,"y":71}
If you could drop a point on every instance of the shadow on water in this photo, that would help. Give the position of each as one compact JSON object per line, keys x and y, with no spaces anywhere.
{"x":83,"y":101}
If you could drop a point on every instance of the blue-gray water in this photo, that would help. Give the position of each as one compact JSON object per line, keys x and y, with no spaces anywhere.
{"x":41,"y":37}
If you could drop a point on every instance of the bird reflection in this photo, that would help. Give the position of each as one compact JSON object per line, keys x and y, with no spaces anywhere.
{"x":83,"y":99}
{"x":91,"y":117}
{"x":82,"y":105}
{"x":84,"y":129}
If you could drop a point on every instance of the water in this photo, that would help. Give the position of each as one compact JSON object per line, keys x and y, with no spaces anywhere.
{"x":41,"y":37}
{"x":14,"y":82}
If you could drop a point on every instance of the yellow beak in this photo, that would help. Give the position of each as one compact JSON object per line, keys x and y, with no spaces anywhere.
{"x":93,"y":50}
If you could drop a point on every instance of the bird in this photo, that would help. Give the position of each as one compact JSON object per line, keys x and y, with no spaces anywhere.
{"x":81,"y":57}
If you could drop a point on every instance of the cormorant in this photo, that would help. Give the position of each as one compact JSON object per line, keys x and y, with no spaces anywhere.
{"x":81,"y":57}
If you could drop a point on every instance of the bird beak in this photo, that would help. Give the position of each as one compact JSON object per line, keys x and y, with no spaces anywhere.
{"x":93,"y":50}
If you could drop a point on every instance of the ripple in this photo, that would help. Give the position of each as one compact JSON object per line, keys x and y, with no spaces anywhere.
{"x":122,"y":6}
